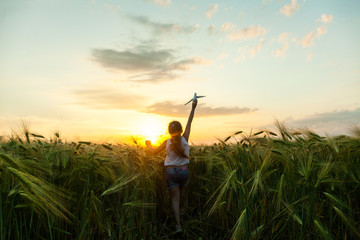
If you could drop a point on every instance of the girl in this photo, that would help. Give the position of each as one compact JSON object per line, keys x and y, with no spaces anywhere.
{"x":176,"y":163}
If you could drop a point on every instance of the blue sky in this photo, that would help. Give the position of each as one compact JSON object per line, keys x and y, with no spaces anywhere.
{"x":105,"y":69}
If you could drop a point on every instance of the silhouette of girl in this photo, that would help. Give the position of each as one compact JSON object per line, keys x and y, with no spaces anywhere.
{"x":176,"y":163}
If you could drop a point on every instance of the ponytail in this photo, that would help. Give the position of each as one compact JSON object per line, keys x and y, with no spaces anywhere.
{"x":176,"y":146}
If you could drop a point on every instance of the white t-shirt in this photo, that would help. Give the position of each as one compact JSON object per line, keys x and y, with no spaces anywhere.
{"x":172,"y":159}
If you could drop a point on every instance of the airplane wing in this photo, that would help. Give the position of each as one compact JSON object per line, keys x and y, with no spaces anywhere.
{"x":200,"y":96}
{"x":189,"y":101}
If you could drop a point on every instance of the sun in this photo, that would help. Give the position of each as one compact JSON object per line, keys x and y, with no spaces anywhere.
{"x":152,"y":129}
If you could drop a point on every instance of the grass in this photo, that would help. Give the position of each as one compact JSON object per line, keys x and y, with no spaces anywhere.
{"x":266,"y":185}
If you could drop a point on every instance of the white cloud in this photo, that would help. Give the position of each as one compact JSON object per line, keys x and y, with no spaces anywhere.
{"x":283,"y":37}
{"x":290,"y":9}
{"x":257,"y":48}
{"x":282,"y":50}
{"x":236,"y":34}
{"x":284,"y":40}
{"x":226,"y":27}
{"x":321,"y":30}
{"x":326,"y":18}
{"x":247,"y":33}
{"x":249,"y":51}
{"x":309,"y":38}
{"x":212,"y":10}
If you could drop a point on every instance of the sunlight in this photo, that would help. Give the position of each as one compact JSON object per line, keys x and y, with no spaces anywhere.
{"x":152,"y":129}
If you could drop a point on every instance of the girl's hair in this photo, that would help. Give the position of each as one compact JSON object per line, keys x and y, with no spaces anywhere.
{"x":176,"y":141}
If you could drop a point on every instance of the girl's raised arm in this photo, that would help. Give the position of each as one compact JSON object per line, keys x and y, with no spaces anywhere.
{"x":186,"y":134}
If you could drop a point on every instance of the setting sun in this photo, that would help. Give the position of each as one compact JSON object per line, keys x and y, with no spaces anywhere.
{"x":152,"y":129}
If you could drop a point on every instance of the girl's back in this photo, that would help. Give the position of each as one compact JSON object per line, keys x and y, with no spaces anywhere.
{"x":173,"y":158}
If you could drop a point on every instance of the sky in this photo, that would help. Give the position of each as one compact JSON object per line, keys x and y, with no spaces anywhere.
{"x":107,"y":70}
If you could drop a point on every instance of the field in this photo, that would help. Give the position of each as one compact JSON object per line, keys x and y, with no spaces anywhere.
{"x":292,"y":184}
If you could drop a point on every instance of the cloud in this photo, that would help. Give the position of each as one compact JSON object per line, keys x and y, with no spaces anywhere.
{"x":236,"y":34}
{"x":257,"y":48}
{"x":132,"y":60}
{"x":111,"y":99}
{"x":321,"y":30}
{"x":290,"y":9}
{"x":186,"y":63}
{"x":335,"y":122}
{"x":171,"y":109}
{"x":163,"y":28}
{"x":309,"y":38}
{"x":283,"y":37}
{"x":326,"y":18}
{"x":281,"y":52}
{"x":153,"y":77}
{"x":108,"y":98}
{"x":212,"y":10}
{"x":344,"y":115}
{"x":162,"y":3}
{"x":284,"y":40}
{"x":249,"y":51}
{"x":145,"y":63}
{"x":227,"y":27}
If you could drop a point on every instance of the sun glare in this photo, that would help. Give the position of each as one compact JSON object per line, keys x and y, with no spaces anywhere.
{"x":152,"y":129}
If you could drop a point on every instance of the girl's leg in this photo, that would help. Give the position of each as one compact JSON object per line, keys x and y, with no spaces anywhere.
{"x":182,"y":199}
{"x":175,"y":200}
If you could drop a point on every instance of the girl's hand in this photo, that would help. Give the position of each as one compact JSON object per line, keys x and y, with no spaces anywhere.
{"x":155,"y":150}
{"x":194,"y":103}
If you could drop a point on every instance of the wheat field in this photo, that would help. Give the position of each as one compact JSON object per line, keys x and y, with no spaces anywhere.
{"x":292,"y":184}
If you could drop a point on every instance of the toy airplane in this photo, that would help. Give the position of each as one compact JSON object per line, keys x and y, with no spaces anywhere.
{"x":195,"y":97}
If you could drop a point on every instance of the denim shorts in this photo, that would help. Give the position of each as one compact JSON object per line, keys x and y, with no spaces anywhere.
{"x":177,"y":176}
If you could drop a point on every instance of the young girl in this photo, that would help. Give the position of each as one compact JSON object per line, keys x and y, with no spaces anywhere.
{"x":176,"y":163}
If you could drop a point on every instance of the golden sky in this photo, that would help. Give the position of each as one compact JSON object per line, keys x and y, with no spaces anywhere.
{"x":109,"y":70}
